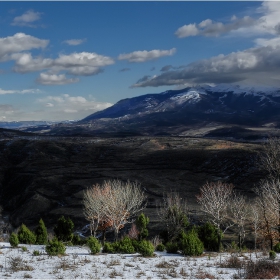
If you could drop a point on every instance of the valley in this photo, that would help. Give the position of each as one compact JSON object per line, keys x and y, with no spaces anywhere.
{"x":45,"y":177}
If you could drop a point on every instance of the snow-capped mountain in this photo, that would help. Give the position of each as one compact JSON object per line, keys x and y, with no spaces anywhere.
{"x":222,"y":103}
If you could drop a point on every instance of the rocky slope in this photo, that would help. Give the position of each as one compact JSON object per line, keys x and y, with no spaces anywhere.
{"x":45,"y":177}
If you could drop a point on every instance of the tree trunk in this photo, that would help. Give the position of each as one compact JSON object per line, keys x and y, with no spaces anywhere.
{"x":239,"y":241}
{"x":219,"y":240}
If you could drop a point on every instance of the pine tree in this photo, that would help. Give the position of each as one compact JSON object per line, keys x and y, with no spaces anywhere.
{"x":64,"y":229}
{"x":41,"y":233}
{"x":142,"y":223}
{"x":25,"y":235}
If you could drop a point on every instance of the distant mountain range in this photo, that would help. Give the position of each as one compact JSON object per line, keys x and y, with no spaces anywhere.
{"x":177,"y":112}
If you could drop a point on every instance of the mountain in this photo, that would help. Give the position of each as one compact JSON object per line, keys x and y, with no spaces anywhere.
{"x":177,"y":112}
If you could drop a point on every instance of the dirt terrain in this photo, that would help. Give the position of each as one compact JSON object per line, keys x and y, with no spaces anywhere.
{"x":45,"y":176}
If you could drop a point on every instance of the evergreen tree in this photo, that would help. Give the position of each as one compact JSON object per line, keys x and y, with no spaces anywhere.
{"x":41,"y":233}
{"x":64,"y":229}
{"x":25,"y":235}
{"x":142,"y":223}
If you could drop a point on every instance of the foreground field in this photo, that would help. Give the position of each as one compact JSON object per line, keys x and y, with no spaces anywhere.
{"x":79,"y":264}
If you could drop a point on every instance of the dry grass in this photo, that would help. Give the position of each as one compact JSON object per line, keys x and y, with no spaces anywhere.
{"x":233,"y":262}
{"x":262,"y":269}
{"x":18,"y":264}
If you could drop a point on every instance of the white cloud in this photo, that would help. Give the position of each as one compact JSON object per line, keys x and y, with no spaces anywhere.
{"x":266,"y":21}
{"x":142,"y":56}
{"x":209,"y":28}
{"x":53,"y":79}
{"x":75,"y":42}
{"x":83,"y":63}
{"x":187,"y":30}
{"x":24,"y":91}
{"x":18,"y":43}
{"x":27,"y":19}
{"x":258,"y":65}
{"x":64,"y":106}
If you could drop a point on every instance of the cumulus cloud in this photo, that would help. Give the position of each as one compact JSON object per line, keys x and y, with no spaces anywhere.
{"x":209,"y":28}
{"x":255,"y":65}
{"x":24,"y":91}
{"x":75,"y":42}
{"x":53,"y":79}
{"x":83,"y":63}
{"x":18,"y":43}
{"x":27,"y":19}
{"x":266,"y":21}
{"x":64,"y":106}
{"x":142,"y":56}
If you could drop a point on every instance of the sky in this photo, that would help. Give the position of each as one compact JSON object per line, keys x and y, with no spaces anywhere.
{"x":67,"y":60}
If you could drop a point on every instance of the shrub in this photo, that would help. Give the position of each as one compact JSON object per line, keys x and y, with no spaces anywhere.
{"x":109,"y":248}
{"x":94,"y":245}
{"x":208,"y":234}
{"x":171,"y":247}
{"x":272,"y":255}
{"x":160,"y":247}
{"x":24,"y":249}
{"x":76,"y":240}
{"x":14,"y":240}
{"x":41,"y":233}
{"x":25,"y":235}
{"x":36,"y":253}
{"x":125,"y":246}
{"x":190,"y":244}
{"x":232,"y":262}
{"x":145,"y":248}
{"x":142,"y":223}
{"x":277,"y":247}
{"x":64,"y":229}
{"x":55,"y":247}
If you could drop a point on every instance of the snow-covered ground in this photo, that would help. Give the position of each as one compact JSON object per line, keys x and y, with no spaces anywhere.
{"x":80,"y":264}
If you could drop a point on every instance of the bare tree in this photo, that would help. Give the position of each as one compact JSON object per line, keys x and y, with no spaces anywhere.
{"x":240,"y":213}
{"x":269,"y":159}
{"x":123,"y":202}
{"x":95,"y":200}
{"x":269,"y":201}
{"x":270,"y":219}
{"x":255,"y":218}
{"x":215,"y":199}
{"x":173,"y":213}
{"x":113,"y":204}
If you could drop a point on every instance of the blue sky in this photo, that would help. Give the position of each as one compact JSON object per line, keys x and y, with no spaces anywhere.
{"x":66,"y":60}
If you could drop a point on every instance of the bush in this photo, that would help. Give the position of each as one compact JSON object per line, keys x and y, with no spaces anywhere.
{"x":171,"y":247}
{"x":24,"y":249}
{"x":208,"y":234}
{"x":14,"y":240}
{"x":277,"y":247}
{"x":272,"y":255}
{"x":41,"y":233}
{"x":160,"y":247}
{"x":109,"y":248}
{"x":55,"y":247}
{"x":25,"y":235}
{"x":76,"y":240}
{"x":36,"y":253}
{"x":190,"y":244}
{"x":94,"y":245}
{"x":145,"y":248}
{"x":125,"y":246}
